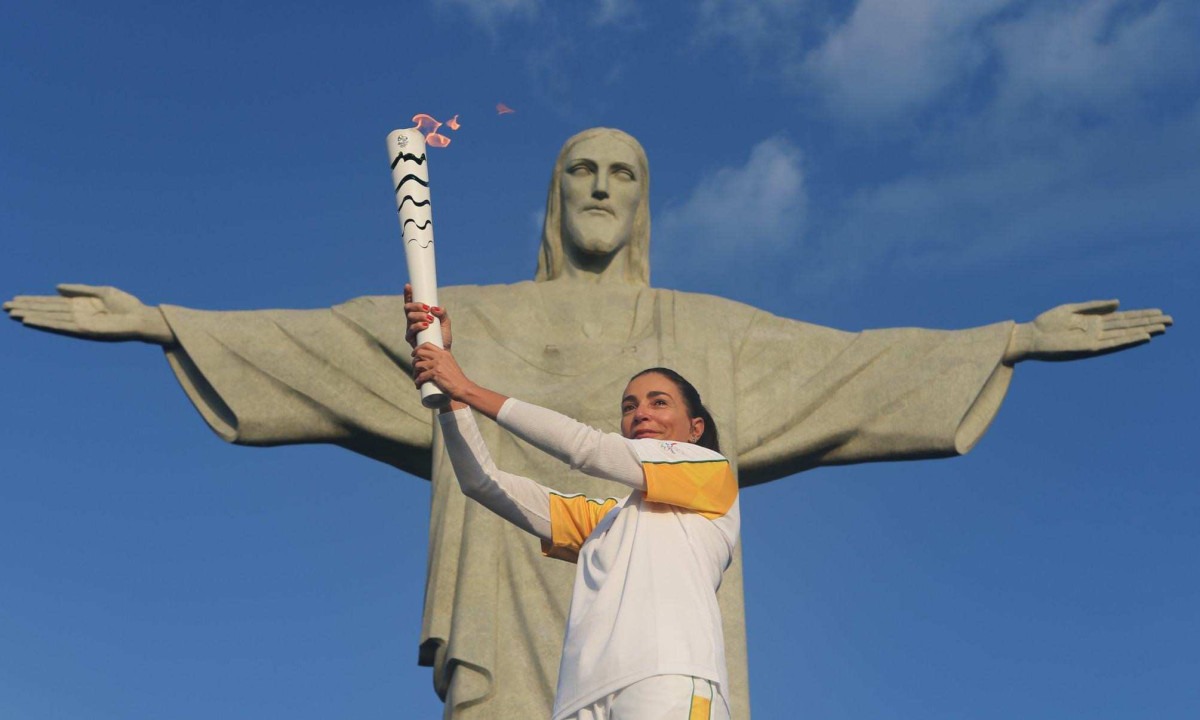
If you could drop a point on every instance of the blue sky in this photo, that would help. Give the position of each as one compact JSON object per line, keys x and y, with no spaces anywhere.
{"x":937,"y":163}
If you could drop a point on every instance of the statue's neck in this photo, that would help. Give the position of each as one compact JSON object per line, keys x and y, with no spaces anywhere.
{"x":597,"y":269}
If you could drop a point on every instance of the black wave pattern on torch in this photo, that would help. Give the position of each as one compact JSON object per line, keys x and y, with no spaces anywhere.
{"x":416,"y":202}
{"x":414,"y":238}
{"x":408,"y":156}
{"x":410,"y":176}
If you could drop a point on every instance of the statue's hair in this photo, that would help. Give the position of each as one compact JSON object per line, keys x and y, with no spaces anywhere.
{"x":551,"y":258}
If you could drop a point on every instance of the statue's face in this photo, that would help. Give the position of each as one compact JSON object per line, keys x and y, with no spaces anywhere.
{"x":601,"y":189}
{"x":653,"y":407}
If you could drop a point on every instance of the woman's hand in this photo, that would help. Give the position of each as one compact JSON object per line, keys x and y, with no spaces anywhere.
{"x":420,"y":316}
{"x":433,"y":364}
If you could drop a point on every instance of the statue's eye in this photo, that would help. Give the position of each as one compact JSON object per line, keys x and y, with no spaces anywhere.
{"x":579,"y":169}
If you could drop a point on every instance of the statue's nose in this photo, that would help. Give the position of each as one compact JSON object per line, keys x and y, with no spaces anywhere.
{"x":600,"y":186}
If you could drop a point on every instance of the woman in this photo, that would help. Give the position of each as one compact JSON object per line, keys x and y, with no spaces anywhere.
{"x":643,"y":636}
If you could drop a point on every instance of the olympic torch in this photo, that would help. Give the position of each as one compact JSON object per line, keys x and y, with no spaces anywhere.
{"x":410,"y":175}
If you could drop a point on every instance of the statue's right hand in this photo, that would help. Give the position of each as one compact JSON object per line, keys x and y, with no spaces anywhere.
{"x":91,"y":312}
{"x":419,"y":316}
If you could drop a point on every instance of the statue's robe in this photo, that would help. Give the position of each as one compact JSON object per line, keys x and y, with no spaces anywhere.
{"x":786,"y":396}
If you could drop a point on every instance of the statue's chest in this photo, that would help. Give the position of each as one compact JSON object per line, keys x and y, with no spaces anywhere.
{"x":578,"y":377}
{"x":572,"y":349}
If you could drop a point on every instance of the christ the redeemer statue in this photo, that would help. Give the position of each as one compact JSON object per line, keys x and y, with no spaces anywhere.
{"x":787,"y":395}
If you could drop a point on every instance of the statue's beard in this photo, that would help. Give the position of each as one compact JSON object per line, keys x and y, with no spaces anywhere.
{"x":595,"y":237}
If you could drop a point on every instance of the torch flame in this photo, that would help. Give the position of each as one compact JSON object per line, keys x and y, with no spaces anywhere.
{"x":502,"y":109}
{"x":428,"y":125}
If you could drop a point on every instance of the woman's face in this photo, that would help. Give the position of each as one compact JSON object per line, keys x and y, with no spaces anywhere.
{"x":652,"y":407}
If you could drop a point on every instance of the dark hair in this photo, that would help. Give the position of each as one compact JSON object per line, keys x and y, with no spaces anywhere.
{"x":695,"y":408}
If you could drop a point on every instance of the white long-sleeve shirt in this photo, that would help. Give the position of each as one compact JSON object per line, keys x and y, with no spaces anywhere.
{"x":649,"y":564}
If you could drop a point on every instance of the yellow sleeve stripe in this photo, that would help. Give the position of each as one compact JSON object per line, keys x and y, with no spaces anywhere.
{"x":572,"y":520}
{"x":708,"y":488}
{"x":701,"y":708}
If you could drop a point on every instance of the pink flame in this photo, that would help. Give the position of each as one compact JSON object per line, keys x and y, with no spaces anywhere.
{"x":428,"y":125}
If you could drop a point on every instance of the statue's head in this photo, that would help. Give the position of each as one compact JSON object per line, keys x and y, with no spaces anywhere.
{"x":598,"y":208}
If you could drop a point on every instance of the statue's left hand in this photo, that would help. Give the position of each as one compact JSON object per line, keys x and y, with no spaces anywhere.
{"x":1079,"y":330}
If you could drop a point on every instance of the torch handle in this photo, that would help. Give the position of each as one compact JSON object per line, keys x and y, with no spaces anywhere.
{"x":431,"y":395}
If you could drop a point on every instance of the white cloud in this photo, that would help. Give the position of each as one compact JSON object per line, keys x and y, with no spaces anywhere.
{"x":1102,"y":189}
{"x":489,"y":14}
{"x":752,"y":24}
{"x":612,"y":12}
{"x":1093,"y":55}
{"x":888,"y":62}
{"x":756,"y":208}
{"x":568,"y":58}
{"x":1063,"y":138}
{"x":891,"y":58}
{"x":1067,"y":126}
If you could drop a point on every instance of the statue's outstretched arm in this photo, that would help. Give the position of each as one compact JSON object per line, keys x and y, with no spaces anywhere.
{"x":93,"y":313}
{"x":810,"y":396}
{"x":270,"y":377}
{"x":1079,"y":330}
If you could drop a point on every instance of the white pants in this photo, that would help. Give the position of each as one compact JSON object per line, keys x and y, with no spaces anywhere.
{"x":662,"y":697}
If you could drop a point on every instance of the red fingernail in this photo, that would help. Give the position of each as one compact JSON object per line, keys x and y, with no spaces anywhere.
{"x":428,"y":318}
{"x":435,"y":307}
{"x":424,"y":307}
